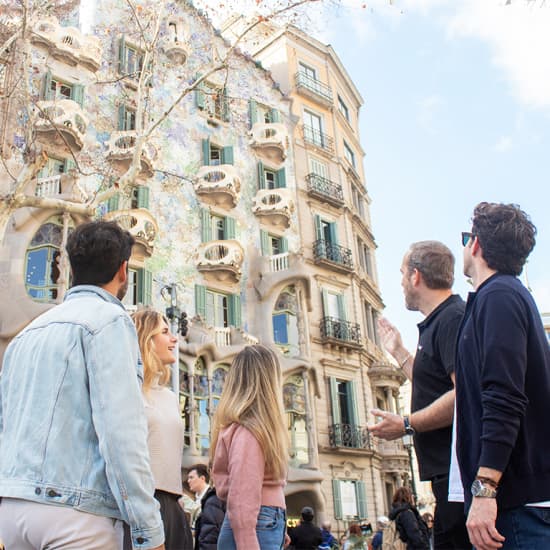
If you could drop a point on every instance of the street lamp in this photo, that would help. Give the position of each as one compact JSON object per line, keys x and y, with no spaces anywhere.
{"x":178,"y":325}
{"x":408,"y":443}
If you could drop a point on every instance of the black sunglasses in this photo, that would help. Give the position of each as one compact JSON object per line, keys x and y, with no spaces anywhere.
{"x":466,"y":236}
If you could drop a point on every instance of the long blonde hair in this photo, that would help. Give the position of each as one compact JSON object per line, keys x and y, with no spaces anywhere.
{"x":253,"y":397}
{"x":148,"y":324}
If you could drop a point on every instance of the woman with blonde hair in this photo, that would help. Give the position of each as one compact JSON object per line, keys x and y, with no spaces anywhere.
{"x":249,"y":452}
{"x":165,"y":427}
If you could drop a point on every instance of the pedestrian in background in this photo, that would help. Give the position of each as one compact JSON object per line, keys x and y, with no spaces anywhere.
{"x":329,"y":541}
{"x":355,"y":540}
{"x":212,"y":510}
{"x":249,"y":452}
{"x":378,"y":538}
{"x":165,"y":427}
{"x":429,"y":521}
{"x":306,"y":536}
{"x":411,"y":527}
{"x":74,"y":459}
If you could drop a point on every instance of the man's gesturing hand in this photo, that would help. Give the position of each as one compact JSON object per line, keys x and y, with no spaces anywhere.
{"x":391,"y":338}
{"x":391,"y":426}
{"x":481,"y":524}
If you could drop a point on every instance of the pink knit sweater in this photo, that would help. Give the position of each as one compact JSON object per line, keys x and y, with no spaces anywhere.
{"x":240,"y":481}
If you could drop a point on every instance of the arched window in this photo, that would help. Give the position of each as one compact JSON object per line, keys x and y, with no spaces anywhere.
{"x":41,"y":262}
{"x":295,"y":409}
{"x":218,"y":381}
{"x":285,"y":325}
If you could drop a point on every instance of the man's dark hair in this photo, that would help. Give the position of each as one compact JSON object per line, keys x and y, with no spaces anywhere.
{"x":202,"y":471}
{"x":434,"y":261}
{"x":307,"y":514}
{"x":506,"y":236}
{"x":96,"y":252}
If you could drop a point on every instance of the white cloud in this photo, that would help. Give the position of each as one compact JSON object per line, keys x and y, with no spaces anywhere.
{"x":503,"y":144}
{"x":519,"y":37}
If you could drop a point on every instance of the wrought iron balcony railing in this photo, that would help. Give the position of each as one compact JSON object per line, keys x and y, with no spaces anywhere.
{"x":325,"y":250}
{"x":318,"y":138}
{"x":304,"y":81}
{"x":339,"y":329}
{"x":325,"y":187}
{"x":350,"y":436}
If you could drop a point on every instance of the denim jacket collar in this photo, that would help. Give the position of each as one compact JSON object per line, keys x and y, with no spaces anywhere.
{"x":92,"y":289}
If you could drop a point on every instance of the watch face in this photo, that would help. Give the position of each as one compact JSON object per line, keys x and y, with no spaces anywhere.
{"x":480,"y":490}
{"x":477,"y":487}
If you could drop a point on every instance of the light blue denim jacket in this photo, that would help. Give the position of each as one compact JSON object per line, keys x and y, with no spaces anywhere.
{"x":72,"y":424}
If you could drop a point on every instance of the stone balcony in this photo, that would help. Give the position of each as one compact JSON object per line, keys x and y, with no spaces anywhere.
{"x":333,"y":256}
{"x":218,"y":185}
{"x":313,"y":89}
{"x":275,"y":206}
{"x":120,"y":149}
{"x":221,"y":260}
{"x":140,"y":223}
{"x":270,"y":141}
{"x":325,"y":190}
{"x":62,"y":186}
{"x":230,"y":336}
{"x":349,"y":436}
{"x":176,"y":50}
{"x":340,"y":332}
{"x":65,"y":117}
{"x":68,"y":44}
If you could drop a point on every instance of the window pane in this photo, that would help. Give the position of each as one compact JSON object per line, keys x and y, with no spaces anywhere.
{"x":349,"y":502}
{"x":280,"y":332}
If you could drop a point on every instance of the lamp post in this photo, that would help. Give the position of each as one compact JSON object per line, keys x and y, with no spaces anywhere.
{"x":178,"y":325}
{"x":408,"y":443}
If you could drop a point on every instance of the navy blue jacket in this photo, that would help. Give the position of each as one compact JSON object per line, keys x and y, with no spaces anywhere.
{"x":503,"y":392}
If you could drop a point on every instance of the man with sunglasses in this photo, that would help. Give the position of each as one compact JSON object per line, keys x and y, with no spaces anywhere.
{"x":503,"y":388}
{"x":427,"y":280}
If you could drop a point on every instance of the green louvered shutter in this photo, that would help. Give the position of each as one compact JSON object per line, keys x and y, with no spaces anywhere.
{"x":47,"y":92}
{"x":144,"y":287}
{"x":337,"y":499}
{"x":122,"y":55}
{"x":336,"y":418}
{"x":318,"y":227}
{"x":324,"y":299}
{"x":333,"y":233}
{"x":253,"y":111}
{"x":284,"y":244}
{"x":275,"y":116}
{"x":199,"y":94}
{"x":227,"y":155}
{"x":280,"y":178}
{"x":225,"y":106}
{"x":261,"y":175}
{"x":361,"y":497}
{"x":206,"y":225}
{"x":77,"y":94}
{"x":234,"y":302}
{"x":70,"y":164}
{"x":122,"y":117}
{"x":352,"y":402}
{"x":200,"y":301}
{"x":112,"y":203}
{"x":341,"y":307}
{"x":264,"y":241}
{"x":142,"y":196}
{"x":206,"y":152}
{"x":229,"y":228}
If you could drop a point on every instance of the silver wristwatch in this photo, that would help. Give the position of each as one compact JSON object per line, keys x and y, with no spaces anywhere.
{"x":479,"y":489}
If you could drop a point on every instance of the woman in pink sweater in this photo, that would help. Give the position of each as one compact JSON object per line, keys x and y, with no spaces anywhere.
{"x":250,"y":453}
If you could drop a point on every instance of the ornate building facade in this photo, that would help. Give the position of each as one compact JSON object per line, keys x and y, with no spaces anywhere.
{"x":248,"y":202}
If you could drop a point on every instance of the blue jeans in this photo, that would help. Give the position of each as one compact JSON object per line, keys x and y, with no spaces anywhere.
{"x":525,"y":528}
{"x":270,"y":530}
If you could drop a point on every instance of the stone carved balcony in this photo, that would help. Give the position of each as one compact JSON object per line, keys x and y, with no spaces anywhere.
{"x":64,"y":117}
{"x":218,"y":185}
{"x":62,"y":186}
{"x":68,"y":44}
{"x":230,"y":336}
{"x":332,"y":255}
{"x":325,"y":189}
{"x":176,"y":50}
{"x":139,"y":222}
{"x":221,"y":260}
{"x":349,"y":436}
{"x":275,"y":206}
{"x":270,"y":140}
{"x":121,"y":146}
{"x":341,"y":332}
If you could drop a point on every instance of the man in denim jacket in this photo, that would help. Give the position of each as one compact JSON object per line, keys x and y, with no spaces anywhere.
{"x":73,"y":460}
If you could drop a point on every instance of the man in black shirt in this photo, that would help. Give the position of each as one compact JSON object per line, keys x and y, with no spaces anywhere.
{"x":306,"y":536}
{"x":428,"y":275}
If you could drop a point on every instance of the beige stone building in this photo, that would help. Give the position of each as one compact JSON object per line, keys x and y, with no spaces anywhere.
{"x":251,"y":214}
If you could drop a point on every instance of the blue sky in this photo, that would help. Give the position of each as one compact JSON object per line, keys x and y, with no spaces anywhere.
{"x":457,"y":110}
